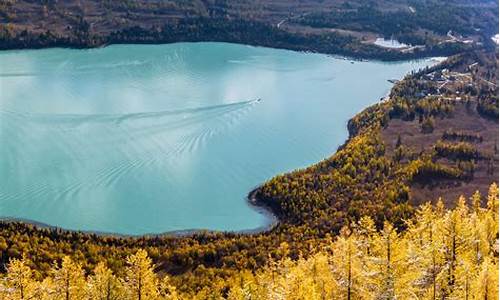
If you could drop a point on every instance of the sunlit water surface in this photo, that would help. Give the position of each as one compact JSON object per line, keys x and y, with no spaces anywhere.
{"x":137,"y":139}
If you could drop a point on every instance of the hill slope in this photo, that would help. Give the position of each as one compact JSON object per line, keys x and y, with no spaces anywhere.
{"x":339,"y":27}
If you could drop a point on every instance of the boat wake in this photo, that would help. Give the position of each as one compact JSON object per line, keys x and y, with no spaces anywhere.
{"x":75,"y":153}
{"x":118,"y":118}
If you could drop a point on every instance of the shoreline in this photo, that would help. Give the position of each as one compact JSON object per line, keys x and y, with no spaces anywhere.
{"x":251,"y":200}
{"x":264,"y":209}
{"x":335,"y":54}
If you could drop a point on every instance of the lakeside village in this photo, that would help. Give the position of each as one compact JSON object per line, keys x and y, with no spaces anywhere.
{"x":450,"y":85}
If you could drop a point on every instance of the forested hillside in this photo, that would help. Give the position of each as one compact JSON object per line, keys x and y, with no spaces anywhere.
{"x":397,"y":149}
{"x":442,"y":254}
{"x":338,"y":27}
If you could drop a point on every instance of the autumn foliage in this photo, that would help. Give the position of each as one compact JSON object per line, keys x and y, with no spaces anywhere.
{"x":443,"y":254}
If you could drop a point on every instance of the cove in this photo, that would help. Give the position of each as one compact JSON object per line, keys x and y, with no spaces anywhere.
{"x":137,"y":139}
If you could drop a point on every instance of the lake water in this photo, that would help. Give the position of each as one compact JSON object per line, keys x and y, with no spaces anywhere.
{"x":137,"y":139}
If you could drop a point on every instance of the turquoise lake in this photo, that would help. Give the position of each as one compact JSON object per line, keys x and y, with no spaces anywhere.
{"x":136,"y":139}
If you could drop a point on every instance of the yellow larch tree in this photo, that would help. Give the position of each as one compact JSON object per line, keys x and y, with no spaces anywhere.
{"x":103,"y":284}
{"x":45,"y":289}
{"x":387,"y":266}
{"x":19,"y":283}
{"x":141,"y":282}
{"x":167,"y":290}
{"x":69,"y":280}
{"x":485,"y":285}
{"x":455,"y":236}
{"x":244,"y":286}
{"x":346,"y":267}
{"x":424,"y":245}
